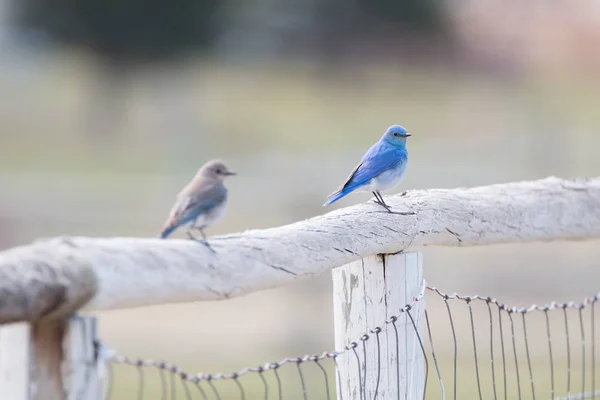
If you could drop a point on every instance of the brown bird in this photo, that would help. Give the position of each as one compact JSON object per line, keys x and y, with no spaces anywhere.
{"x":201,"y":203}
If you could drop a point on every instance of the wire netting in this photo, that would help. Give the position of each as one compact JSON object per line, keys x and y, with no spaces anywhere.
{"x":474,"y":347}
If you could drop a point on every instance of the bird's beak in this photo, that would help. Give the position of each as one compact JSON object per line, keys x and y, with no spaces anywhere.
{"x":229,"y":173}
{"x":407,"y":134}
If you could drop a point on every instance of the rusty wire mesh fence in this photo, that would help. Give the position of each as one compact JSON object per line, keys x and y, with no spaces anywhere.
{"x":475,"y":347}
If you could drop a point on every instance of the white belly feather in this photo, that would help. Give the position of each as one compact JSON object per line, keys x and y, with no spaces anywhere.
{"x":207,"y":219}
{"x":386,"y":180}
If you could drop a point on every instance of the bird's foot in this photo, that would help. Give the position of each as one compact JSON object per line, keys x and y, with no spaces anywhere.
{"x":389,"y":209}
{"x":402,"y":213}
{"x":383,"y":205}
{"x":404,"y":193}
{"x":204,"y":242}
{"x":208,"y":246}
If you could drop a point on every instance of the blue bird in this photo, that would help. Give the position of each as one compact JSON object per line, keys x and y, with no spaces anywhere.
{"x":381,"y":168}
{"x":201,"y":203}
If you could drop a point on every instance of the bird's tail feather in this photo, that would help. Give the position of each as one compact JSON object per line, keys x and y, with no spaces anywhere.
{"x":335,"y":196}
{"x":167,"y":231}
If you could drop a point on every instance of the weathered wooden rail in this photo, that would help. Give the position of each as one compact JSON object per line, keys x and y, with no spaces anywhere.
{"x":43,"y":284}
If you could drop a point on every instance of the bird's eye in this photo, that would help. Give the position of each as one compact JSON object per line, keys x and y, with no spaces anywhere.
{"x":396,"y":134}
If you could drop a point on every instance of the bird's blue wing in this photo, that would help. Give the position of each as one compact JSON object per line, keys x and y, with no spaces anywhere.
{"x":377,"y":160}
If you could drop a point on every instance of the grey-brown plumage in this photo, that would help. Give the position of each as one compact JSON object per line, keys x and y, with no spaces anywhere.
{"x":202,"y":202}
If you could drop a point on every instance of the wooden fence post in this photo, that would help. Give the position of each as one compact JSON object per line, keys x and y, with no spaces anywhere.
{"x":50,"y":360}
{"x":366,"y":293}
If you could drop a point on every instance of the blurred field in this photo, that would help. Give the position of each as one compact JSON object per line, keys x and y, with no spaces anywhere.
{"x":292,"y":131}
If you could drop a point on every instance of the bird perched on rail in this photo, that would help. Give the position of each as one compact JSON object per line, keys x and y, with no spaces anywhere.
{"x":201,"y":203}
{"x":381,"y":168}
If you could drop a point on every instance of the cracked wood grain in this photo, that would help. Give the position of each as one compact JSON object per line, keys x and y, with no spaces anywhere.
{"x":59,"y":275}
{"x":44,"y":281}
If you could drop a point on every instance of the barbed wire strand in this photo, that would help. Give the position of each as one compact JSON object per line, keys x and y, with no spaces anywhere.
{"x":173,"y":386}
{"x":422,"y":350}
{"x":186,"y":390}
{"x":360,"y":385}
{"x":304,"y":394}
{"x":503,"y":352}
{"x":240,"y":387}
{"x":214,"y":389}
{"x":279,"y":388}
{"x":394,"y":319}
{"x":326,"y":378}
{"x":141,"y":382}
{"x":474,"y":348}
{"x":492,"y":346}
{"x":512,"y":330}
{"x":455,"y":355}
{"x":364,"y":339}
{"x":377,"y":331}
{"x":201,"y":390}
{"x":163,"y":381}
{"x":549,"y":337}
{"x":531,"y":381}
{"x":582,"y":329}
{"x":264,"y":381}
{"x":183,"y":382}
{"x":568,"y":352}
{"x":435,"y":362}
{"x":534,"y":307}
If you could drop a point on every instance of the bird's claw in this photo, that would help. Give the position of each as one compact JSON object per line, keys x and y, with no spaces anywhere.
{"x":402,"y":213}
{"x":389,"y":209}
{"x":383,"y":205}
{"x":204,"y":242}
{"x":208,"y":246}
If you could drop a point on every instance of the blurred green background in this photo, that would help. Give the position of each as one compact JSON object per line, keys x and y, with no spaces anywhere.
{"x":107,"y":108}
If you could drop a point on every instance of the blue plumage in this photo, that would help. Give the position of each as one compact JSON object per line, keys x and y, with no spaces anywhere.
{"x":167,"y":232}
{"x":381,"y":168}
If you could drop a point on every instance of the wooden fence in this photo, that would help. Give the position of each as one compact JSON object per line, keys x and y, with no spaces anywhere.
{"x":48,"y":351}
